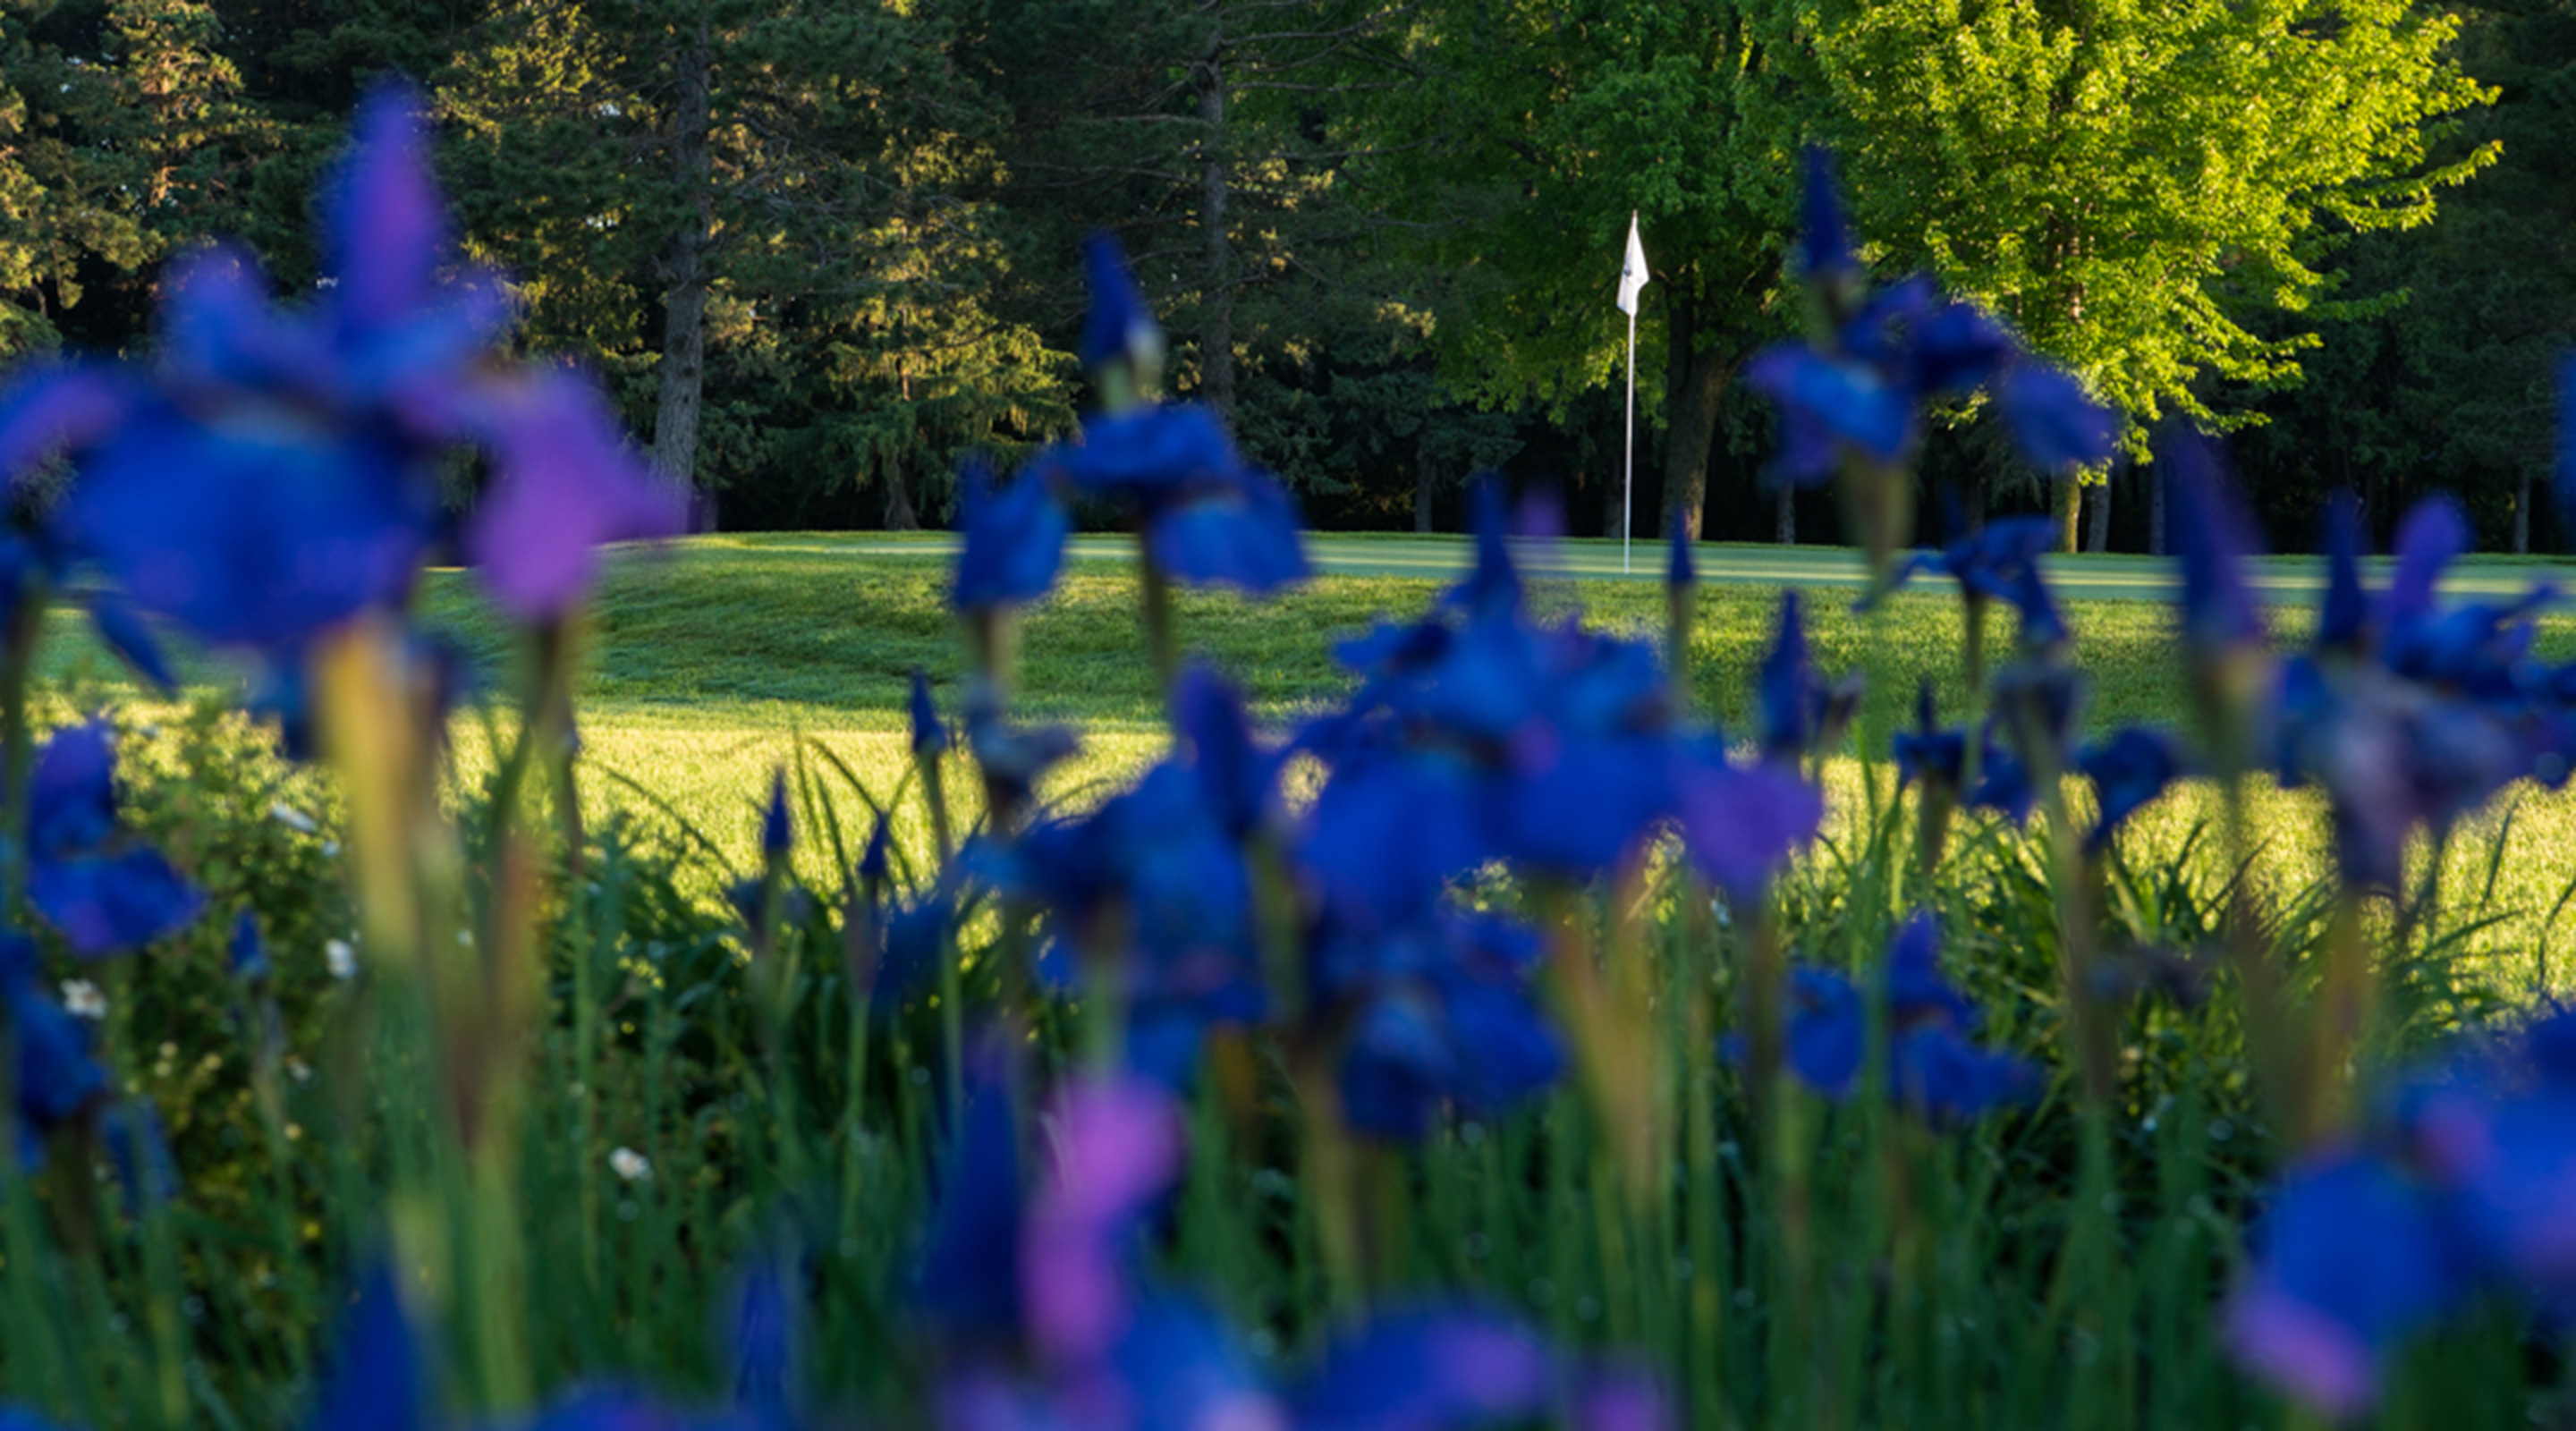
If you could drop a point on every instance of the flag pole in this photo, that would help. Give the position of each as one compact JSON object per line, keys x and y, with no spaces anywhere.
{"x":1628,"y":477}
{"x":1632,"y":278}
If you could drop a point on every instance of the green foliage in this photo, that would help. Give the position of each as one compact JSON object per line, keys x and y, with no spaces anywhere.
{"x":2133,"y":186}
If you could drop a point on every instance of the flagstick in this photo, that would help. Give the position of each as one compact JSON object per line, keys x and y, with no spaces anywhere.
{"x":1628,"y":478}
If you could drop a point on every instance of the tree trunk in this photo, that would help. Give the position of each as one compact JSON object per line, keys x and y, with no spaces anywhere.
{"x":1424,"y":480}
{"x":2522,"y":513}
{"x":2097,"y":529}
{"x":683,"y":362}
{"x":2068,"y":500}
{"x":1784,"y":516}
{"x":1981,"y":482}
{"x":1216,"y":304}
{"x":899,"y":515}
{"x":1694,"y":378}
{"x":2156,"y":544}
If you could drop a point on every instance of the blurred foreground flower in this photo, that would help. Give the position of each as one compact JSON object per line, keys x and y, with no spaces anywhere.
{"x":2459,"y":1192}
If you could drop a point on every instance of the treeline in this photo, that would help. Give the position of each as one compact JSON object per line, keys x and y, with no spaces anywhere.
{"x":824,"y":249}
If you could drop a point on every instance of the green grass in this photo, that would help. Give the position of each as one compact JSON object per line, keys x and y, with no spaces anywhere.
{"x":707,"y":663}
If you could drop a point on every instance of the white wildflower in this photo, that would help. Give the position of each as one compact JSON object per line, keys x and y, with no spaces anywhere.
{"x":342,"y":959}
{"x":630,"y":1165}
{"x":82,"y":1000}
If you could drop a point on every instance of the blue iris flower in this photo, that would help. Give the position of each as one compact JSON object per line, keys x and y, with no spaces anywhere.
{"x":2129,"y":769}
{"x":275,"y":472}
{"x":1420,"y":1368}
{"x":89,"y":879}
{"x":1439,"y":1014}
{"x":1208,"y":517}
{"x":1801,"y":715}
{"x":2344,"y":618}
{"x":930,"y":738}
{"x":1119,"y":324}
{"x":2055,"y":423}
{"x":1237,"y":775}
{"x":1932,"y":754}
{"x":2214,"y":536}
{"x":1991,"y":562}
{"x":2356,"y":1254}
{"x":1155,"y":893}
{"x":247,"y":954}
{"x":968,"y":1283}
{"x":58,"y":1077}
{"x":1934,"y":1065}
{"x":1012,"y":540}
{"x":2410,"y":714}
{"x":777,"y":832}
{"x":1892,"y":352}
{"x":1824,"y":234}
{"x":375,"y":1380}
{"x":1480,"y":734}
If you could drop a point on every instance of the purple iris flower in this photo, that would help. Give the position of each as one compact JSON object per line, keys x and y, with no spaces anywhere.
{"x":1801,"y":715}
{"x":2129,"y":769}
{"x":1118,"y":1148}
{"x":90,"y":880}
{"x":1740,"y":824}
{"x":2356,"y":1255}
{"x":565,"y":482}
{"x":1012,"y":540}
{"x":274,"y":474}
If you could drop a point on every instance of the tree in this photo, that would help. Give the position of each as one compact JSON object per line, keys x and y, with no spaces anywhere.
{"x":789,"y":183}
{"x":1532,"y":132}
{"x":2133,"y":186}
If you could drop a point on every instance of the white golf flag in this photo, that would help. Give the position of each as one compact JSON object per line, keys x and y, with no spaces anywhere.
{"x":1632,"y":274}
